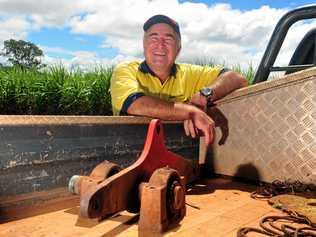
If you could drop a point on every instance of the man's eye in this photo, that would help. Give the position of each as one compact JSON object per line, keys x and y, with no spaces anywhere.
{"x":169,"y":40}
{"x":153,"y":39}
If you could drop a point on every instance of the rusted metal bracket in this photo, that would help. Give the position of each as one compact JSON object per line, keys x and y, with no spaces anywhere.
{"x":153,"y":185}
{"x":162,"y":202}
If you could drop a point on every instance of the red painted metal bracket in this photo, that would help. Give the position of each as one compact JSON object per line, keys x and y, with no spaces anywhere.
{"x":117,"y":190}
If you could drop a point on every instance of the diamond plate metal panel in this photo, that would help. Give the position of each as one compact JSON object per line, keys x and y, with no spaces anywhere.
{"x":272,"y":130}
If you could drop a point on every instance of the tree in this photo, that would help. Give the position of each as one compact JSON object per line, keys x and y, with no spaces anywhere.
{"x":22,"y":53}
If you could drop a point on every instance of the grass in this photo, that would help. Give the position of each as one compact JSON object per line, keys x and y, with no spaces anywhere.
{"x":57,"y":91}
{"x":248,"y":73}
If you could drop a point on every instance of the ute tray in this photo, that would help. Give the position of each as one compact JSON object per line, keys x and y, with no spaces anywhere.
{"x":215,"y":207}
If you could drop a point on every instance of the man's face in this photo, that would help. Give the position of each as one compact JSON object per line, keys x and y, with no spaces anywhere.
{"x":161,"y":46}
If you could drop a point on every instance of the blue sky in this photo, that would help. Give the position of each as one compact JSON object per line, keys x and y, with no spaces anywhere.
{"x":247,"y":5}
{"x":63,"y":38}
{"x":103,"y":32}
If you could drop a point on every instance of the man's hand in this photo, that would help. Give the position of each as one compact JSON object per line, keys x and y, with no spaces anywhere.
{"x":226,"y":83}
{"x":199,"y":101}
{"x":200,"y":124}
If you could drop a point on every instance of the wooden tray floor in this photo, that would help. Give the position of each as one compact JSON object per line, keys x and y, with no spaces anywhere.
{"x":215,"y":207}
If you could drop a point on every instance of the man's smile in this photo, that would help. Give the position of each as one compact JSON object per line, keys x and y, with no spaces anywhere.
{"x":159,"y":54}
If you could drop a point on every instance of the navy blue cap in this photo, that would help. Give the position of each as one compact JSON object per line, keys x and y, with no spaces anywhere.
{"x":162,"y":19}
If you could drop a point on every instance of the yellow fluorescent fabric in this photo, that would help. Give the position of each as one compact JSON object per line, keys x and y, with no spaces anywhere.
{"x":127,"y":79}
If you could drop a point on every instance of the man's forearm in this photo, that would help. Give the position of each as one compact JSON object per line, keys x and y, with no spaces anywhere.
{"x":226,"y":83}
{"x":157,"y":108}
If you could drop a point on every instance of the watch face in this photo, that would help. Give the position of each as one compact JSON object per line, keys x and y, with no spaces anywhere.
{"x":207,"y":92}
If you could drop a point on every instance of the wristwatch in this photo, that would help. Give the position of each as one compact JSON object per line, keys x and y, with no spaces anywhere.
{"x":208,"y":93}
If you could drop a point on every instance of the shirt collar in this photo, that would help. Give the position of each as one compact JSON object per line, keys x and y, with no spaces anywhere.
{"x":143,"y":67}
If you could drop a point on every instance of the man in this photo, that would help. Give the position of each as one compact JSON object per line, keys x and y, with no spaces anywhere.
{"x":159,"y":88}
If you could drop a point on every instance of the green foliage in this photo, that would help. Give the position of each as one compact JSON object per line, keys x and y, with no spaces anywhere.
{"x":55,"y":91}
{"x":22,"y":53}
{"x":249,"y":73}
{"x":206,"y":62}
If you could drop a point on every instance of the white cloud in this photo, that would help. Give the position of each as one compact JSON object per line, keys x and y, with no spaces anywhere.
{"x":293,"y":38}
{"x":216,"y":32}
{"x":88,"y":61}
{"x":227,"y":35}
{"x":42,"y":13}
{"x":13,"y":28}
{"x":84,"y":60}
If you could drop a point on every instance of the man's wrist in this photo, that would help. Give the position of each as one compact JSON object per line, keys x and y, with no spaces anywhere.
{"x":209,"y":94}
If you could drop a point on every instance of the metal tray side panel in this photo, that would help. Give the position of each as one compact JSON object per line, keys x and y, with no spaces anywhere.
{"x":271,"y":133}
{"x":40,"y":153}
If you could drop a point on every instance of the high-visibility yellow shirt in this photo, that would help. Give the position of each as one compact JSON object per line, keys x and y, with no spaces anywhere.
{"x":130,"y":80}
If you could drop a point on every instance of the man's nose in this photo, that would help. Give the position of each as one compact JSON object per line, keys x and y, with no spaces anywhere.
{"x":161,"y":42}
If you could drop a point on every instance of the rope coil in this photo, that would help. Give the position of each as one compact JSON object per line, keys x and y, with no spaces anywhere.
{"x":291,"y":225}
